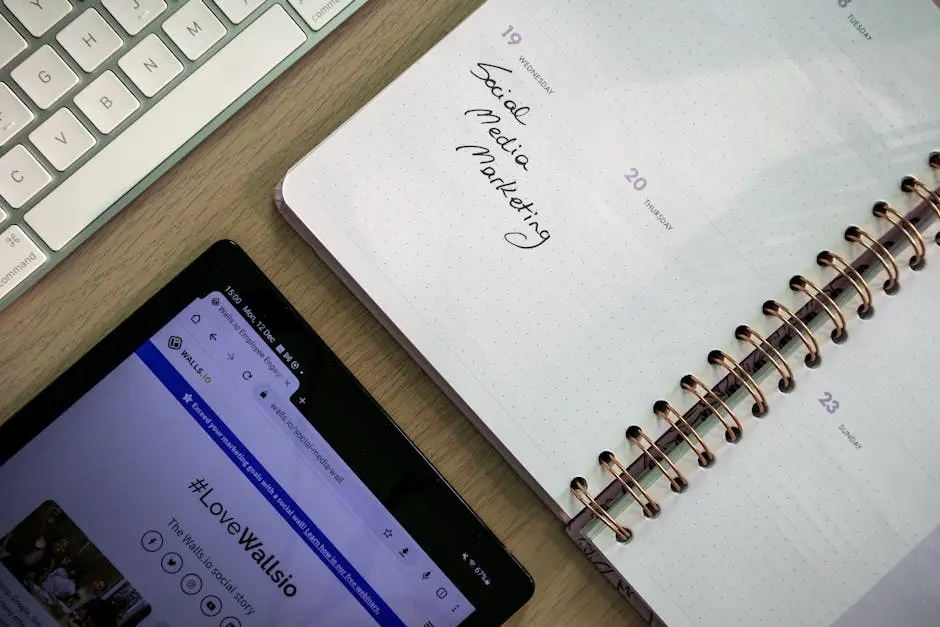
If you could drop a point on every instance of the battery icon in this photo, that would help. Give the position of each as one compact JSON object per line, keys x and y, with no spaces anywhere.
{"x":279,"y":349}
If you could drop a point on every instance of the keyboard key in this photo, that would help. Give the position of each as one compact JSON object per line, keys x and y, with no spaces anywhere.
{"x":164,"y":128}
{"x":319,"y":13}
{"x":21,"y":176}
{"x":14,"y":116}
{"x":134,"y":15}
{"x":151,"y":65}
{"x":194,"y":29}
{"x":19,"y":258}
{"x":62,"y":139}
{"x":238,"y":10}
{"x":11,"y":44}
{"x":89,"y":40}
{"x":106,"y":102}
{"x":38,"y":16}
{"x":44,"y":77}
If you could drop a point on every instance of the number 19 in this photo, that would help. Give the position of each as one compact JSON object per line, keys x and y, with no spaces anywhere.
{"x":513,"y":36}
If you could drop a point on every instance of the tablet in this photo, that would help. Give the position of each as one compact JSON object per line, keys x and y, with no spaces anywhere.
{"x":212,"y":462}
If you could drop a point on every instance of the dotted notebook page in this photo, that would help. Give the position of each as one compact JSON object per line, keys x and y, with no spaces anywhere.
{"x":782,"y":118}
{"x":828,"y":508}
{"x":893,"y":368}
{"x":564,"y":210}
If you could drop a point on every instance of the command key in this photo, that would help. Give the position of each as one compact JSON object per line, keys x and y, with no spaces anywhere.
{"x":19,"y":258}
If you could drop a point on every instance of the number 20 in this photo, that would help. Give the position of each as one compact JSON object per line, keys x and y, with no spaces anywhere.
{"x":639,"y":183}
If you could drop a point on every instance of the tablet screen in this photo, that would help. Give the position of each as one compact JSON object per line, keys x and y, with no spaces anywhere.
{"x":186,"y":488}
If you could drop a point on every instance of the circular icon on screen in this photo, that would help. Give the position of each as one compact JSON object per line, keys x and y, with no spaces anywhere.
{"x":211,"y":605}
{"x":152,"y":541}
{"x":172,"y":563}
{"x":191,"y":584}
{"x":230,"y":621}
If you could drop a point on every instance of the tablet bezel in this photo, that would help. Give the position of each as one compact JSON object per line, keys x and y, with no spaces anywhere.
{"x":337,"y":406}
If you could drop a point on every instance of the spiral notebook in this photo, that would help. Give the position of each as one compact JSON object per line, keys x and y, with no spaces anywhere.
{"x":678,"y":262}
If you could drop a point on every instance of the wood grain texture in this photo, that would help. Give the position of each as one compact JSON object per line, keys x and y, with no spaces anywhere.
{"x":224,"y":190}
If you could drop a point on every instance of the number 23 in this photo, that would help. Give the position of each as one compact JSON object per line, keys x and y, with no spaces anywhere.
{"x":831,"y":405}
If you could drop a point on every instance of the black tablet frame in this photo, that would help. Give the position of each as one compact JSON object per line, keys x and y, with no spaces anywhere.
{"x":337,"y":406}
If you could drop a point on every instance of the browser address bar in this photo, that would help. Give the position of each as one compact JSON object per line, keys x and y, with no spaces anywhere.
{"x":332,"y":470}
{"x":314,"y":449}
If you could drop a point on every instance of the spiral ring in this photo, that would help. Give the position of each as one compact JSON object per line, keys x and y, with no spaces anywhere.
{"x":637,"y":436}
{"x":691,"y":383}
{"x":882,"y":254}
{"x":663,"y":409}
{"x":889,"y":213}
{"x":579,"y":489}
{"x":772,"y":308}
{"x":934,"y":160}
{"x":720,"y":358}
{"x":912,"y":184}
{"x":856,"y":280}
{"x":612,"y":465}
{"x":832,"y":309}
{"x":773,"y":356}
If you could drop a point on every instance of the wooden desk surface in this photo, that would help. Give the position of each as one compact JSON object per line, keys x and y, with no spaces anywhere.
{"x":224,"y":190}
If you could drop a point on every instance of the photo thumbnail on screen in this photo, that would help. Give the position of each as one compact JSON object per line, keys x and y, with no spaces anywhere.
{"x":67,"y":574}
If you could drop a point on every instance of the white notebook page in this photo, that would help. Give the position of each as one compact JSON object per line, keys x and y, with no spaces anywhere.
{"x":816,"y":508}
{"x":684,"y":160}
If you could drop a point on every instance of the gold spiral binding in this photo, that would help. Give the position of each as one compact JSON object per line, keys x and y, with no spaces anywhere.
{"x":611,"y":464}
{"x":803,"y":285}
{"x":876,"y":248}
{"x":637,"y":436}
{"x":771,"y":353}
{"x":705,"y":456}
{"x":813,"y":358}
{"x":856,"y":280}
{"x":773,"y":356}
{"x":579,"y":489}
{"x":889,"y":213}
{"x":912,"y":184}
{"x":691,"y":383}
{"x":723,"y":359}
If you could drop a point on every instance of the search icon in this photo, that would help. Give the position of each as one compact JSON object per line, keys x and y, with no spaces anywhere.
{"x":246,"y":375}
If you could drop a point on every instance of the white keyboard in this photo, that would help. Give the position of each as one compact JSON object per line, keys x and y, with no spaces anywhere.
{"x":96,"y":97}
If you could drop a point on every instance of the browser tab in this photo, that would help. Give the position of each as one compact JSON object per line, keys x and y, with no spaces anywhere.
{"x":249,"y":345}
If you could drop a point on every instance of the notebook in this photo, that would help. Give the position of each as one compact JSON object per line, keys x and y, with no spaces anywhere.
{"x":677,"y":261}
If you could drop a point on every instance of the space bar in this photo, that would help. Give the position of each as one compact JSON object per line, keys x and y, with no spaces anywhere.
{"x":162,"y":130}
